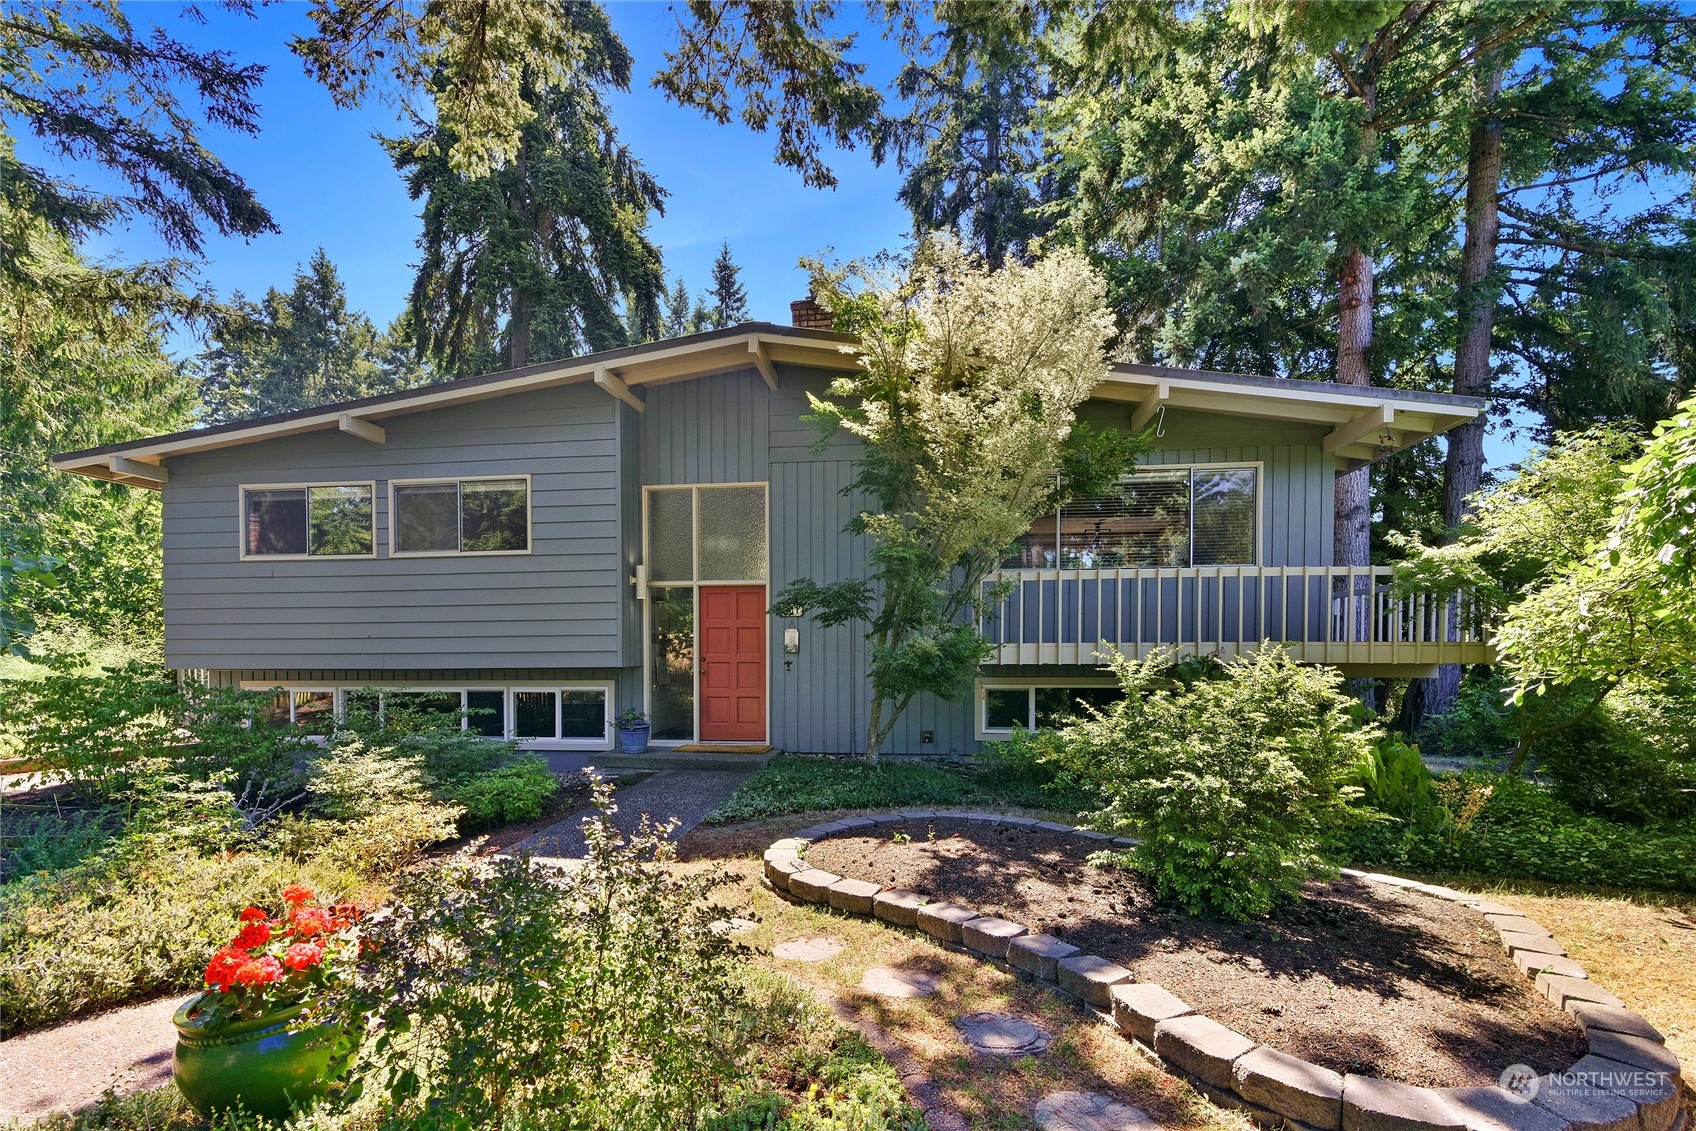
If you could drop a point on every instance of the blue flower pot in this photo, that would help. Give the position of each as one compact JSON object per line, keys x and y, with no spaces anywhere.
{"x":634,"y":739}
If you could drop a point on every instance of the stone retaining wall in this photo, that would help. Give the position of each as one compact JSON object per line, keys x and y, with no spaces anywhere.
{"x":1629,"y":1081}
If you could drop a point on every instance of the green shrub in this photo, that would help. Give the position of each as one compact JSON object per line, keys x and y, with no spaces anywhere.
{"x":1633,"y":759}
{"x":515,"y":792}
{"x":593,"y":998}
{"x":1521,"y":831}
{"x":49,"y":840}
{"x":452,"y":755}
{"x":373,"y":809}
{"x":129,"y":924}
{"x":1480,"y":724}
{"x":1231,"y":782}
{"x":93,"y":728}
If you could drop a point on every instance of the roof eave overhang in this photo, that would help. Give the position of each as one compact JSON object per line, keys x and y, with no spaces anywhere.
{"x":1362,"y":424}
{"x":621,"y":372}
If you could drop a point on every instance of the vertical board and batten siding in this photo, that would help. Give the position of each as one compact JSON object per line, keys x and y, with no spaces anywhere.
{"x":555,"y":608}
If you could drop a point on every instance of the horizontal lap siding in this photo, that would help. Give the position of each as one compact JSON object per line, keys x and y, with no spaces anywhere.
{"x":557,"y":607}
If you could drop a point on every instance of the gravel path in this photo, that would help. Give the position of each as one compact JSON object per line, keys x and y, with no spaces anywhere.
{"x":69,"y":1066}
{"x":687,"y":795}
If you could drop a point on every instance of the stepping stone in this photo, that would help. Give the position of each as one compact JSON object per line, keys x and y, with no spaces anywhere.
{"x":1089,"y":1111}
{"x":808,"y":950}
{"x":734,"y":925}
{"x":890,"y":982}
{"x":1002,"y":1034}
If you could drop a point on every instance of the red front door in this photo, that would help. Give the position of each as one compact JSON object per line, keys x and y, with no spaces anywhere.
{"x":733,"y":663}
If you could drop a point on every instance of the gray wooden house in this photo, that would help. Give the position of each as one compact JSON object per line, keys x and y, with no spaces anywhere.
{"x":548,"y":546}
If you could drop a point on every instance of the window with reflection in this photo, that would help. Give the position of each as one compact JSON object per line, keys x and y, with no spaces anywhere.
{"x":1156,"y":518}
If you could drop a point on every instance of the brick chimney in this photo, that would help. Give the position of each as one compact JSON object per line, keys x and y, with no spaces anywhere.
{"x":809,"y":315}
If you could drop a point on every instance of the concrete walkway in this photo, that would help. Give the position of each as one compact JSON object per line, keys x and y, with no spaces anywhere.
{"x":686,"y":795}
{"x":68,"y":1066}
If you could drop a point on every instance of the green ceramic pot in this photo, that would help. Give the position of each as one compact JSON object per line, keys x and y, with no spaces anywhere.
{"x":264,"y":1065}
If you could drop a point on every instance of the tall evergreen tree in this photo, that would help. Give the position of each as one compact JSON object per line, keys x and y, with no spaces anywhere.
{"x":82,"y":363}
{"x":684,"y":314}
{"x":543,"y":257}
{"x":296,"y":349}
{"x":729,"y":296}
{"x":970,"y":144}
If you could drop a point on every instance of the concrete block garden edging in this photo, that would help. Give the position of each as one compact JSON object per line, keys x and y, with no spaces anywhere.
{"x":1629,"y":1081}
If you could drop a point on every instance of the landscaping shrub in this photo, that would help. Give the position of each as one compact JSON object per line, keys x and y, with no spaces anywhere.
{"x":514,"y":792}
{"x":372,"y":808}
{"x":46,"y":839}
{"x":1231,"y":782}
{"x":128,"y":924}
{"x":1501,"y":826}
{"x":594,"y":998}
{"x":1480,"y":724}
{"x":93,"y":728}
{"x":1633,"y":759}
{"x":795,"y":784}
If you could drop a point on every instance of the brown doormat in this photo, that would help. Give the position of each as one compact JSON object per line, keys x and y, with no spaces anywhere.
{"x":723,"y":748}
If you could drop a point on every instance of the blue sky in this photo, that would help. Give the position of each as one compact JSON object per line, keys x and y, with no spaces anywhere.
{"x":327,"y":181}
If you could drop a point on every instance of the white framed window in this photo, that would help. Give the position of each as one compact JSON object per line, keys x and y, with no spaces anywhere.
{"x":571,"y":715}
{"x":312,"y":708}
{"x":1004,"y":705}
{"x":486,"y":709}
{"x":1158,"y":517}
{"x":439,"y":517}
{"x":308,"y":520}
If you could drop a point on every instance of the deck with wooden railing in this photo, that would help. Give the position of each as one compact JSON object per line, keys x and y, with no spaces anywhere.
{"x":1345,"y":616}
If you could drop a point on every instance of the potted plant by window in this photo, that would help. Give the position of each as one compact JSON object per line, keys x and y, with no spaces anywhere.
{"x":256,"y":1037}
{"x":633,"y":730}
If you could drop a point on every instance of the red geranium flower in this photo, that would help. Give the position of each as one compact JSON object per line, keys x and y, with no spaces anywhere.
{"x":221,"y":971}
{"x":259,"y":972}
{"x":309,"y":921}
{"x":252,"y":935}
{"x":303,"y":956}
{"x":253,"y":915}
{"x":297,"y":893}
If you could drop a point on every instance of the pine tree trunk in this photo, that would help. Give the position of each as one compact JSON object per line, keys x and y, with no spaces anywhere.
{"x":1463,"y":469}
{"x":518,"y":329}
{"x":1354,"y":344}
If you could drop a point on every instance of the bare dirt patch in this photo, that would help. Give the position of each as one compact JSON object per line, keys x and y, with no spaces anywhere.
{"x":1354,"y":976}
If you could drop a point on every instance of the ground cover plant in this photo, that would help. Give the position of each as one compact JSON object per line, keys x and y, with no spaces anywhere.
{"x":790,"y":783}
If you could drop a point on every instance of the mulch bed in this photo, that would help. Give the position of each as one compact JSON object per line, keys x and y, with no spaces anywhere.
{"x":1354,"y":976}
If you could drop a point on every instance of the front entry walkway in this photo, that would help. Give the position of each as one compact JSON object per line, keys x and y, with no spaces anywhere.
{"x":686,"y":795}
